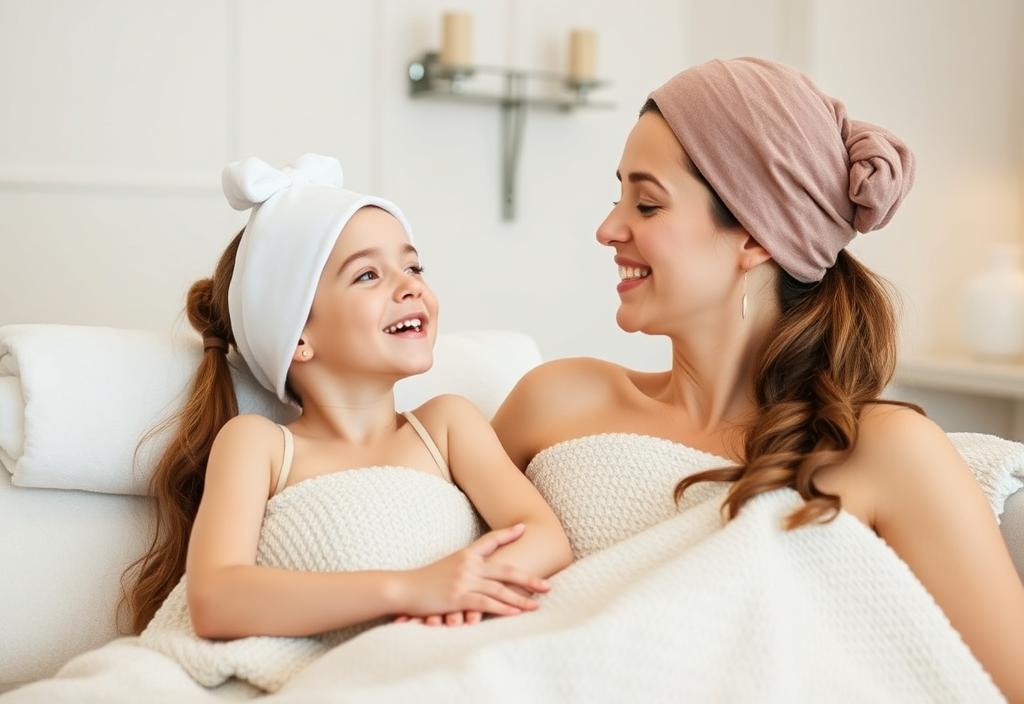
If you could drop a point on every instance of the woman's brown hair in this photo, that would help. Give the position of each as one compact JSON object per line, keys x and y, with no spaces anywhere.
{"x":177,"y":480}
{"x":831,"y":353}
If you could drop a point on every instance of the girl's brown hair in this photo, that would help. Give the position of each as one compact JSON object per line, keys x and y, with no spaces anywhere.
{"x":832,"y":352}
{"x":177,"y":481}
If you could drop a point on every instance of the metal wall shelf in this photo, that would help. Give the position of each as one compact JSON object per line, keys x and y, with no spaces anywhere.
{"x":428,"y":78}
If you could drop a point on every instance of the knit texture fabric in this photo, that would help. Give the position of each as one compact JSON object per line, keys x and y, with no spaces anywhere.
{"x":376,"y":518}
{"x":689,"y":609}
{"x":607,"y":487}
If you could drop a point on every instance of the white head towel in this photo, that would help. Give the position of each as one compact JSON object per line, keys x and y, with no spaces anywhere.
{"x":297,"y":214}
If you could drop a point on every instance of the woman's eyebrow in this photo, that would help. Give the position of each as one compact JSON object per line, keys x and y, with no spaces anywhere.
{"x":638,"y":176}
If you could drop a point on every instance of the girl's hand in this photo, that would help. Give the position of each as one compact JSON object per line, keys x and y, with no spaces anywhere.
{"x":457,"y":618}
{"x":465,"y":581}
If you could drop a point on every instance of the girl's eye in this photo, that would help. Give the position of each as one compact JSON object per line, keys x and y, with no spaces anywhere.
{"x":364,"y":275}
{"x":416,"y":269}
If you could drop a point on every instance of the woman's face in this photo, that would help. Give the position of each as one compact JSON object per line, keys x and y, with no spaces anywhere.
{"x":371,"y":283}
{"x":676,"y":266}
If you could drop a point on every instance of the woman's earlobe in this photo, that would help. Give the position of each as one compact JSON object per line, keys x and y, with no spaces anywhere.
{"x":753,"y":253}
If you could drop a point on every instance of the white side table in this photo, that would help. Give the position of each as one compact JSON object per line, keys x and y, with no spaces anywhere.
{"x":960,"y":374}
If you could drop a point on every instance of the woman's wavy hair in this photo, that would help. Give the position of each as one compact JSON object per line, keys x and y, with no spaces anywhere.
{"x":177,"y":481}
{"x":832,"y":352}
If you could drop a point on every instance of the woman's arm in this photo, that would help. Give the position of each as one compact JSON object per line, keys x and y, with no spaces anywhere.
{"x":513,"y":422}
{"x":930,"y":509}
{"x":537,"y":407}
{"x":230,"y":597}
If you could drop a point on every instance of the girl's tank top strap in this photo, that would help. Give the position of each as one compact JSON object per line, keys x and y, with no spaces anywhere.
{"x":429,"y":442}
{"x":286,"y":460}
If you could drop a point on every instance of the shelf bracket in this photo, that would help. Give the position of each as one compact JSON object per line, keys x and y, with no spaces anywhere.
{"x":513,"y":120}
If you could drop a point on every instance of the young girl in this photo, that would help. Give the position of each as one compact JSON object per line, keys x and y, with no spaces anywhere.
{"x":353,"y":512}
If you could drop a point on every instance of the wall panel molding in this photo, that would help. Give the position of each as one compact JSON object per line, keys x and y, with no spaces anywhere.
{"x":108,"y":181}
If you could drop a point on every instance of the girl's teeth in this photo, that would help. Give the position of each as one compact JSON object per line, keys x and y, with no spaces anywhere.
{"x":413,"y":324}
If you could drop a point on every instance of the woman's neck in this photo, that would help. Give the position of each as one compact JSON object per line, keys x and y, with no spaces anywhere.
{"x":712,"y":375}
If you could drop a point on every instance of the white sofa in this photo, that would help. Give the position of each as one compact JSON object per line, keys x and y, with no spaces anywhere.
{"x":64,"y":551}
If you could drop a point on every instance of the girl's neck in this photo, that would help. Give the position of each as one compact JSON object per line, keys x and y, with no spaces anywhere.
{"x":357,"y":416}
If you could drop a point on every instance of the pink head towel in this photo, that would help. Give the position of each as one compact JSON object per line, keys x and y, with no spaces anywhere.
{"x":799,"y":175}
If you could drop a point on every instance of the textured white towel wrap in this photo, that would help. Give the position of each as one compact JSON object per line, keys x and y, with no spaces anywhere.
{"x":297,"y":214}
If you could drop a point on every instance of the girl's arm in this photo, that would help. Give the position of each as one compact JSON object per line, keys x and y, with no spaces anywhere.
{"x":929,"y":508}
{"x":229,"y":596}
{"x":500,"y":492}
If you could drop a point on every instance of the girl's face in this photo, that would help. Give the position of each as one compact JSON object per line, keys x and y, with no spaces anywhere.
{"x":676,"y":266}
{"x":372,"y":312}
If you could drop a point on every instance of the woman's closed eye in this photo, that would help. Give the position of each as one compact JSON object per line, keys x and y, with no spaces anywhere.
{"x":644,"y":208}
{"x":416,"y":269}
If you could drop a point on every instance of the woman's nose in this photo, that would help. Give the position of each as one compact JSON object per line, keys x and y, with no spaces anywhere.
{"x":613,"y":230}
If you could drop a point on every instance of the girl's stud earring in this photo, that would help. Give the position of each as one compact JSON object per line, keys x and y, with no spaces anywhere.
{"x":305,"y":354}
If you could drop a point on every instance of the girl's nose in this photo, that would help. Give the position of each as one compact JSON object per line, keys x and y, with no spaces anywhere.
{"x":410,"y":287}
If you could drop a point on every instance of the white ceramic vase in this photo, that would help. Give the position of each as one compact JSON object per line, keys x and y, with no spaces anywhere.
{"x":992,"y":307}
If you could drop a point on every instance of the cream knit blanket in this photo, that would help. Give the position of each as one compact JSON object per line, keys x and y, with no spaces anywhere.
{"x":377,"y":518}
{"x":659,"y":608}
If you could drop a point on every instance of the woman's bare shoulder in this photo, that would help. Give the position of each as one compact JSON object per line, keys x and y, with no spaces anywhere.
{"x":567,"y":382}
{"x":899,"y":439}
{"x":571,"y":370}
{"x":896,"y":448}
{"x":547,"y":395}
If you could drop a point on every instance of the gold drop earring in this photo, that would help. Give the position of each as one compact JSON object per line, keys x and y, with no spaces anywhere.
{"x":743,"y":302}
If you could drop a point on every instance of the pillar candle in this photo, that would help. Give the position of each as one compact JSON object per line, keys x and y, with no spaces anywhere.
{"x":457,"y":40}
{"x":582,"y":55}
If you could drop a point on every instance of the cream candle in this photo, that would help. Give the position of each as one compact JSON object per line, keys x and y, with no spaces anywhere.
{"x":457,"y":40}
{"x":582,"y":55}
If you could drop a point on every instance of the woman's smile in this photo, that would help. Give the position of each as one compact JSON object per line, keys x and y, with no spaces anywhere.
{"x":631,"y":273}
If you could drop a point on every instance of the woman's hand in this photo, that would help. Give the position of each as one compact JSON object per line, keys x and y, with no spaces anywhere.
{"x":464,"y":586}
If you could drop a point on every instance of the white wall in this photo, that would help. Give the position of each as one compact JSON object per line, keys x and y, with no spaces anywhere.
{"x":119,"y":114}
{"x":947,"y":77}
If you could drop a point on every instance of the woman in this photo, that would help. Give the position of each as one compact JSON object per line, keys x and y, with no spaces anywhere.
{"x":741,"y":185}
